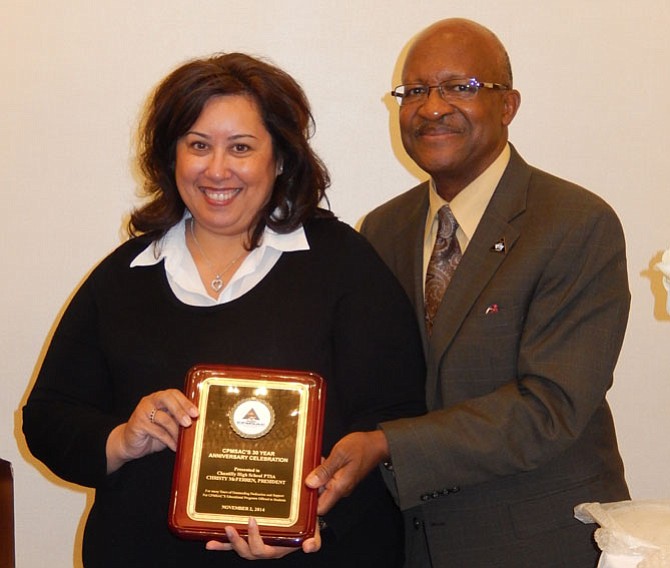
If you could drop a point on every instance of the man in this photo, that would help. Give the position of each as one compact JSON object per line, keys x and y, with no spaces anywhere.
{"x":522,"y":346}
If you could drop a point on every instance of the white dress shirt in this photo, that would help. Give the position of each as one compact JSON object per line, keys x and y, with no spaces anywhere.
{"x":183,"y":275}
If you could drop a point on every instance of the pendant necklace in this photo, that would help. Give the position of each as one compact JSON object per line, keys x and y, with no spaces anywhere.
{"x":217,"y":282}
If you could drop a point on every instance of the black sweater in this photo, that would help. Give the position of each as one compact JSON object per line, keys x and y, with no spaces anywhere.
{"x":335,"y":310}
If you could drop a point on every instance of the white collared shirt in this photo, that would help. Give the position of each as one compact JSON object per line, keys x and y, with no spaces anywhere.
{"x":468,"y":206}
{"x":183,"y":276}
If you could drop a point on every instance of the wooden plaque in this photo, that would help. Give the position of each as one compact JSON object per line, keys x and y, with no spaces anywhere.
{"x":247,"y":454}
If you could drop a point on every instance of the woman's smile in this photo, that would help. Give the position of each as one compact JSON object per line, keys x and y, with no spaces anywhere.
{"x":225,"y":166}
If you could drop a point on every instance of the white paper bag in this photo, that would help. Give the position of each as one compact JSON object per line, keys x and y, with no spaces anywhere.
{"x":637,"y":530}
{"x":664,"y":267}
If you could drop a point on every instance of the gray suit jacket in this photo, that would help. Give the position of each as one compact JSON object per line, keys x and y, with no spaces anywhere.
{"x":521,"y":356}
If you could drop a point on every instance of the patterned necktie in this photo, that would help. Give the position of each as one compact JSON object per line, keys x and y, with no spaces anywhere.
{"x":443,"y":262}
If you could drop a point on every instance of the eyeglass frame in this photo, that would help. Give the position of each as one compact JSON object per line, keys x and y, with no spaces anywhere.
{"x":470,"y":81}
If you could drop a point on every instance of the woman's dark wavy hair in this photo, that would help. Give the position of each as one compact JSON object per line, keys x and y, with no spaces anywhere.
{"x":175,"y":106}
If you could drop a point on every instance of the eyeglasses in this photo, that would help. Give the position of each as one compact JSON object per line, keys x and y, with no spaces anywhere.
{"x":453,"y":90}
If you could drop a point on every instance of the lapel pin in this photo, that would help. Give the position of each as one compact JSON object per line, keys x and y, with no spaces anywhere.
{"x":499,"y":246}
{"x":492,"y":309}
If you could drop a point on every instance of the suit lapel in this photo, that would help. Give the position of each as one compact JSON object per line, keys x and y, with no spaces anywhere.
{"x":408,"y":248}
{"x":494,"y":238}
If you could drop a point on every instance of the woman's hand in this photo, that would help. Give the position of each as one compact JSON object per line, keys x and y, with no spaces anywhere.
{"x":255,"y":549}
{"x":152,"y":427}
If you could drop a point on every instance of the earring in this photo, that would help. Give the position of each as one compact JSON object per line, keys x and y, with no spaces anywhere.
{"x":280,"y":168}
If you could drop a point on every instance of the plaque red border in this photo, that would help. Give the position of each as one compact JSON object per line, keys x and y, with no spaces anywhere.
{"x":186,"y":526}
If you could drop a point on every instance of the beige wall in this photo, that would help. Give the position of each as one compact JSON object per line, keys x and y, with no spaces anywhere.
{"x":594,"y":82}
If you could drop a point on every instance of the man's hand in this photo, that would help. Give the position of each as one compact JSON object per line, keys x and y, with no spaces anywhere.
{"x":351,"y":459}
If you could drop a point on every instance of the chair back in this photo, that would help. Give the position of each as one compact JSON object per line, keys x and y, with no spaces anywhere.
{"x":7,"y":558}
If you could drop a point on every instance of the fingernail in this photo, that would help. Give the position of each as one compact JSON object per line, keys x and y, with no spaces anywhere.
{"x":312,"y":480}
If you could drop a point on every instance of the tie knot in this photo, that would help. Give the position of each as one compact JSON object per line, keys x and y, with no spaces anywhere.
{"x":446,"y":222}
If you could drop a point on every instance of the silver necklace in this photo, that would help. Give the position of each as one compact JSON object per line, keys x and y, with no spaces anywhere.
{"x":217,"y":282}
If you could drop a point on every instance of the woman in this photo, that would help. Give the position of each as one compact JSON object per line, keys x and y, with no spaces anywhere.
{"x":233,"y":262}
